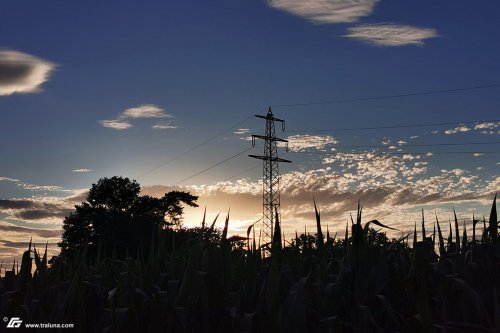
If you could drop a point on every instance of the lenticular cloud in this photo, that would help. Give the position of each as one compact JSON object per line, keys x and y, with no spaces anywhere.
{"x":326,"y":11}
{"x":22,"y":73}
{"x":391,"y":34}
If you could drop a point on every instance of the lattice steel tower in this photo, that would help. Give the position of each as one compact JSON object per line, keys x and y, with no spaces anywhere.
{"x":271,"y":191}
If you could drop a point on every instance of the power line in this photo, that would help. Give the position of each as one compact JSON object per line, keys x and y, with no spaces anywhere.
{"x":359,"y":99}
{"x":405,"y":153}
{"x":247,"y":170}
{"x":195,"y":147}
{"x":418,"y":145}
{"x":242,"y":172}
{"x":394,"y":126}
{"x":381,"y":154}
{"x":213,"y":166}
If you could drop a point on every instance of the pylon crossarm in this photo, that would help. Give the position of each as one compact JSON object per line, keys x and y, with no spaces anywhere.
{"x":270,"y":118}
{"x":267,"y":138}
{"x":273,"y":159}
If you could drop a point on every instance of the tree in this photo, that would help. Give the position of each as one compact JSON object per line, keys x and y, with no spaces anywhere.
{"x":116,"y":218}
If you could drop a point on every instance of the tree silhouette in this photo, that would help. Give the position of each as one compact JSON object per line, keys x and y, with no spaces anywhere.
{"x":115,"y":218}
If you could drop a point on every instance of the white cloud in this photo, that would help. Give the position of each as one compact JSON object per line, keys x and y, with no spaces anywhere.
{"x":401,"y":142}
{"x":22,"y":73}
{"x":371,"y":169}
{"x":7,"y":179}
{"x":42,"y":188}
{"x":145,"y":111}
{"x":116,"y":124}
{"x":303,"y":142}
{"x":242,"y":131}
{"x":410,"y":157}
{"x":477,"y":154}
{"x":489,"y":125}
{"x":459,"y":129}
{"x":389,"y":187}
{"x":163,"y":125}
{"x":413,"y":137}
{"x":487,"y":128}
{"x":82,"y":170}
{"x":493,"y":185}
{"x":490,"y":132}
{"x":34,"y":187}
{"x":326,"y":11}
{"x":390,"y":34}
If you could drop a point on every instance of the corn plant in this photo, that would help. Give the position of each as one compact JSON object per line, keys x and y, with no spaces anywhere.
{"x":202,"y":280}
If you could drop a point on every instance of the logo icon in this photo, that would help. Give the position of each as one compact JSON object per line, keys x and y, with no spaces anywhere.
{"x":14,"y":322}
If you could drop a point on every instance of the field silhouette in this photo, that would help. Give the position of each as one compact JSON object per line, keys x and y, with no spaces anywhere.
{"x":174,"y":279}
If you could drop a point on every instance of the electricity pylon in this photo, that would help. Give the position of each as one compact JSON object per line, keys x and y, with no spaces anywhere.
{"x":271,"y":191}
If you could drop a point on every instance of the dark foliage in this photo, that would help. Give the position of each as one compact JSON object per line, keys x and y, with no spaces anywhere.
{"x":115,"y":218}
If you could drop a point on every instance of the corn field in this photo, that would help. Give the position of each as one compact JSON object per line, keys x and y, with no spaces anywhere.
{"x":200,"y":281}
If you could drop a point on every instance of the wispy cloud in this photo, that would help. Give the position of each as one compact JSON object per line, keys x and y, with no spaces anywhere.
{"x":35,"y":187}
{"x":326,"y":11}
{"x":391,"y":34}
{"x":483,"y":128}
{"x":242,"y":131}
{"x":303,"y":142}
{"x":490,"y":132}
{"x":489,"y":125}
{"x":488,"y":128}
{"x":7,"y":179}
{"x":145,"y":111}
{"x":82,"y":170}
{"x":43,"y":188}
{"x":116,"y":124}
{"x":458,"y":129}
{"x":22,"y":73}
{"x":163,"y":125}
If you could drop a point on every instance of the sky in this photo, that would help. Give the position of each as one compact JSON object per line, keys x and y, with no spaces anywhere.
{"x":163,"y":92}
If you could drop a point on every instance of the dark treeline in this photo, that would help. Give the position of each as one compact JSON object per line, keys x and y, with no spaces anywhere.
{"x":201,"y":280}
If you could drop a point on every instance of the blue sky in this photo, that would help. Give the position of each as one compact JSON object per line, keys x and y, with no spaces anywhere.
{"x":193,"y":69}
